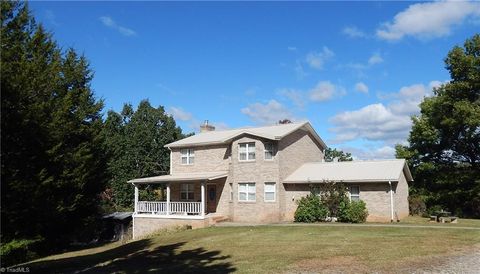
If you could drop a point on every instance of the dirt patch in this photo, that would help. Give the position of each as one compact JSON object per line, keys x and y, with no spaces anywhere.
{"x":336,"y":264}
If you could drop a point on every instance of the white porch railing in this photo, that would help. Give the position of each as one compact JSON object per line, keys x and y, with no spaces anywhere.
{"x":176,"y":208}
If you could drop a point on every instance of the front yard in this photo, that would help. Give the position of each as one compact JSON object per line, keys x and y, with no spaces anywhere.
{"x":273,"y":249}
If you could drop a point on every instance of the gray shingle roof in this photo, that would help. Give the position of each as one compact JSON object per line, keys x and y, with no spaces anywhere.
{"x":275,"y":132}
{"x":352,"y":171}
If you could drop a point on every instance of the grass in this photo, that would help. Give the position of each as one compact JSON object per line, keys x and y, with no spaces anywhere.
{"x":269,"y":249}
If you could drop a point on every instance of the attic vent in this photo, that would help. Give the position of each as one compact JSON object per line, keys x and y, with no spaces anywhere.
{"x":206,"y":127}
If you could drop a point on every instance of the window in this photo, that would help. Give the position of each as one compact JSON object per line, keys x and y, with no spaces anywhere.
{"x":269,"y":192}
{"x":186,"y":192}
{"x":354,"y":193}
{"x":246,"y":192}
{"x":231,"y":191}
{"x":246,"y":152}
{"x":188,"y":156}
{"x":269,"y":151}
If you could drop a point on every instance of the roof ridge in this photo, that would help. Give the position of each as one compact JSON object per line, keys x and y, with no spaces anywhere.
{"x":358,"y":161}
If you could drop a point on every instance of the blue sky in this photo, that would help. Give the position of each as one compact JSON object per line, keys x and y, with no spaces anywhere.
{"x":355,"y":70}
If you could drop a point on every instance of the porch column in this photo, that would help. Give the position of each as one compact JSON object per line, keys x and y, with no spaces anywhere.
{"x":202,"y":201}
{"x":168,"y":198}
{"x":136,"y":198}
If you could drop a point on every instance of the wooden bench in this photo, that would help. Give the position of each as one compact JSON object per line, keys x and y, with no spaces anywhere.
{"x":433,"y":218}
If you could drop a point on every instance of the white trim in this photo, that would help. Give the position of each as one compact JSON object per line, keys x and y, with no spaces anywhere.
{"x":247,"y":152}
{"x":190,"y":189}
{"x":350,"y":192}
{"x":202,"y":200}
{"x":189,"y":155}
{"x":265,"y":151}
{"x":274,"y":192}
{"x":247,"y":192}
{"x":185,"y":217}
{"x":391,"y":202}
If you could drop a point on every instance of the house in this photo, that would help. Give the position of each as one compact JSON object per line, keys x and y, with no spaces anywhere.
{"x":257,"y":175}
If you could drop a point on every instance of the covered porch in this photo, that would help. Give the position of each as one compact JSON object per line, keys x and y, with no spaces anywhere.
{"x":186,"y":196}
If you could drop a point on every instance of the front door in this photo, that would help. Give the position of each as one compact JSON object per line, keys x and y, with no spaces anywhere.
{"x":211,"y":198}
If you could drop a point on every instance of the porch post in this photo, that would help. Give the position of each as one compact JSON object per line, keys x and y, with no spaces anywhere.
{"x":136,"y":198}
{"x":168,"y":198}
{"x":202,"y":204}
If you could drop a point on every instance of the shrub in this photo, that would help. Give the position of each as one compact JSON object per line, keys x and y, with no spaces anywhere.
{"x":432,"y":210}
{"x":352,"y":212}
{"x":17,"y":251}
{"x":332,"y":194}
{"x":416,"y":205}
{"x":310,"y":209}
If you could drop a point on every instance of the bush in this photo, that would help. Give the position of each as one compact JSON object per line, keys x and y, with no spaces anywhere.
{"x":352,"y":212}
{"x":310,"y":209}
{"x":332,"y":194}
{"x":416,"y":205}
{"x":17,"y":251}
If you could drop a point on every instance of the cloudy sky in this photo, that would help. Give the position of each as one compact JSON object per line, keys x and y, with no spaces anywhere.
{"x":356,"y":71}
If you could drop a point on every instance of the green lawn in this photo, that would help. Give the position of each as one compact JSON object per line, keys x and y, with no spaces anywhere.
{"x":269,"y":249}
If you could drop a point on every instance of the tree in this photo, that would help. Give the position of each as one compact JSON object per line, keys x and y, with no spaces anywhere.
{"x":444,"y":143}
{"x":53,"y":165}
{"x":284,"y":121}
{"x":331,"y":154}
{"x":135,"y":141}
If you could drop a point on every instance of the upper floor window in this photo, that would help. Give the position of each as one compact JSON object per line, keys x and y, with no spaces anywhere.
{"x":354,"y":193}
{"x":269,"y":151}
{"x":188,"y":156}
{"x":246,"y":152}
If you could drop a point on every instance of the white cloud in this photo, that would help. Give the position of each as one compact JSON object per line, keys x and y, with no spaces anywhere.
{"x":316,"y":60}
{"x":267,"y":114}
{"x":361,"y":87}
{"x":353,"y":32}
{"x":296,"y":96}
{"x":375,"y":59}
{"x":109,"y":22}
{"x":191,"y":122}
{"x":389,"y":123}
{"x":180,"y":114}
{"x":373,"y":122}
{"x":299,"y":71}
{"x":428,"y":20}
{"x":325,"y":90}
{"x":373,"y":153}
{"x":292,"y":48}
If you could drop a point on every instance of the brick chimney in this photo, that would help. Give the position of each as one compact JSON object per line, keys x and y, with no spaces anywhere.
{"x":206,"y":127}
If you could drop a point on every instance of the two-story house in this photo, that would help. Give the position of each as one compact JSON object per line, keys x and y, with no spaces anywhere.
{"x":257,"y":175}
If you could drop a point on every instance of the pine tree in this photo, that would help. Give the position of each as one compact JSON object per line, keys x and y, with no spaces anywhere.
{"x":53,"y":163}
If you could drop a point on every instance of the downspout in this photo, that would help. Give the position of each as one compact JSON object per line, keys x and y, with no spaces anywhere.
{"x":391,"y":201}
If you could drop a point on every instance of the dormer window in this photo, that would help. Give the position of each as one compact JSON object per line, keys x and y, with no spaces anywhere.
{"x":246,"y":152}
{"x":188,"y":156}
{"x":269,"y":151}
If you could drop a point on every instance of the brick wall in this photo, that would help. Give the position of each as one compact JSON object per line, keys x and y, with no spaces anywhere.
{"x":207,"y":158}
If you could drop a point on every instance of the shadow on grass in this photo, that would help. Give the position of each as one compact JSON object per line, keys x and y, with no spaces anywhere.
{"x":137,"y":257}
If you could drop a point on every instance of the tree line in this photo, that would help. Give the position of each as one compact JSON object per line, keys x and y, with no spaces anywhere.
{"x":62,"y":163}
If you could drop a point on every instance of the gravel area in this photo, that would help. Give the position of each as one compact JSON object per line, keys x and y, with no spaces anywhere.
{"x":467,"y":262}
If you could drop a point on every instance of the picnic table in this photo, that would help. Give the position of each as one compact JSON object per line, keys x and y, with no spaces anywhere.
{"x":443,"y":216}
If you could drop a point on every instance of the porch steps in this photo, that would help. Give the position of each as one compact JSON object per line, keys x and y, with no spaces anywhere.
{"x":219,"y":219}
